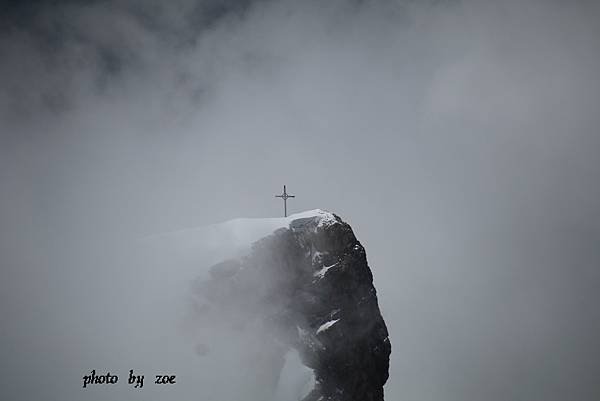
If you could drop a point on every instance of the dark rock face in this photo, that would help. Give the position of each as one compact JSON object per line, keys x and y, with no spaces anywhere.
{"x":308,"y":287}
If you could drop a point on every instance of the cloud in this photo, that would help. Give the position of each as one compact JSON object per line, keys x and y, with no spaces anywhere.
{"x":458,"y":138}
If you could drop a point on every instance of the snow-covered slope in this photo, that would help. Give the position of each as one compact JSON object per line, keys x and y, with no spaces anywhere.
{"x":202,"y":246}
{"x":236,"y":234}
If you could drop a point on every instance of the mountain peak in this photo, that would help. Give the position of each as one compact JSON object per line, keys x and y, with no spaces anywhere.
{"x":304,"y":288}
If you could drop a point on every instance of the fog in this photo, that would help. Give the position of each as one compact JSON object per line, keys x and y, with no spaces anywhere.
{"x":458,"y":138}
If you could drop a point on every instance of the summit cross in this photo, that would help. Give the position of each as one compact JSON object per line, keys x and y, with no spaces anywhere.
{"x":285,"y":197}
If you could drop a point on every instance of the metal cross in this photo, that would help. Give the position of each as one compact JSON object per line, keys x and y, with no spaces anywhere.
{"x":285,"y":197}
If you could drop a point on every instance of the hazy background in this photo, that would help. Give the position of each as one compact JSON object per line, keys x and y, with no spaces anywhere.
{"x":459,"y":138}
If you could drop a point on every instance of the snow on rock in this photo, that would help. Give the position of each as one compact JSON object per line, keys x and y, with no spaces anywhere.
{"x":321,"y":273}
{"x":326,"y":325}
{"x":240,"y":232}
{"x":204,"y":246}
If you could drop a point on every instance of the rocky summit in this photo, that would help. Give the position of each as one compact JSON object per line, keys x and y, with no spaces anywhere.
{"x":306,"y":288}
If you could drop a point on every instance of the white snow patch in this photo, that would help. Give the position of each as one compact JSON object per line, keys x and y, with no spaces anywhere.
{"x":323,"y":214}
{"x":327,"y":219}
{"x":327,"y":325}
{"x":321,"y":273}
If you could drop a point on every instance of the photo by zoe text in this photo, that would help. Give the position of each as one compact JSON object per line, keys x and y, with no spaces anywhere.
{"x":134,"y":380}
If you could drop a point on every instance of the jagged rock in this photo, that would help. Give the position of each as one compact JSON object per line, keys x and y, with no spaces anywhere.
{"x":306,"y":287}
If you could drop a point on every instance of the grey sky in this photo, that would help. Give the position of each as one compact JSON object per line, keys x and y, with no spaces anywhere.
{"x":459,"y":139}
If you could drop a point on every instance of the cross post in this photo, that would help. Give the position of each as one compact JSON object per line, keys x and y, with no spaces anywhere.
{"x":285,"y":197}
